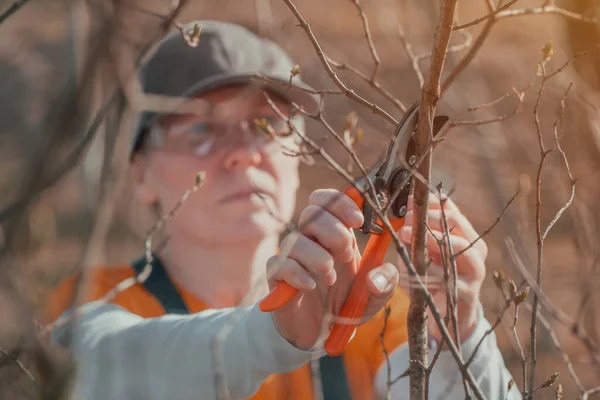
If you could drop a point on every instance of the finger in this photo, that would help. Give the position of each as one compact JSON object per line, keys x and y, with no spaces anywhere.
{"x":283,"y":269}
{"x":470,"y":265}
{"x":457,"y":224}
{"x":465,"y":290}
{"x":382,"y":280}
{"x":434,"y":203}
{"x":311,"y":256}
{"x":329,"y":231}
{"x":455,"y":220}
{"x":339,"y":205}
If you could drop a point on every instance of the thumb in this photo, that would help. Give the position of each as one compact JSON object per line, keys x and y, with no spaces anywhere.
{"x":382,"y":280}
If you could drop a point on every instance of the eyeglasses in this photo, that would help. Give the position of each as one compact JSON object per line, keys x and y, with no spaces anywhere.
{"x":203,"y":138}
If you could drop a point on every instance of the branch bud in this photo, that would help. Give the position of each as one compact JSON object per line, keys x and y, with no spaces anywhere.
{"x":265,"y":126}
{"x":351,"y":121}
{"x":559,"y":392}
{"x":499,"y":279}
{"x":295,"y":71}
{"x":511,"y":383}
{"x":521,"y":297}
{"x":194,"y":36}
{"x":550,"y":381}
{"x":512,"y":289}
{"x":199,"y":179}
{"x":547,"y":51}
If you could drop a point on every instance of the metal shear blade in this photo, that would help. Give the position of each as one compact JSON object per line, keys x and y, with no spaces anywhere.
{"x":386,"y":178}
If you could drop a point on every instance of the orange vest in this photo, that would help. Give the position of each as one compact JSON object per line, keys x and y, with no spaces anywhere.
{"x":159,"y":296}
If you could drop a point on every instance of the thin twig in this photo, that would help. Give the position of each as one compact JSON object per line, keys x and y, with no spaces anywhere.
{"x":522,"y":352}
{"x":541,"y":235}
{"x":560,"y":349}
{"x":518,"y":108}
{"x":447,"y":255}
{"x":553,"y":311}
{"x":146,"y":271}
{"x":386,"y":354}
{"x":365,"y":23}
{"x":321,"y":54}
{"x":414,"y":62}
{"x":549,"y":9}
{"x":452,"y":259}
{"x":488,"y":230}
{"x":15,"y":358}
{"x":490,"y":15}
{"x":558,"y":147}
{"x":468,"y":40}
{"x":12,"y":9}
{"x":590,"y":392}
{"x":491,"y":21}
{"x":265,"y":79}
{"x":319,"y":117}
{"x":489,"y":331}
{"x":466,"y":60}
{"x":374,"y":83}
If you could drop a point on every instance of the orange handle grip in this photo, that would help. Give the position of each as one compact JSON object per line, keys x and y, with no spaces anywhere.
{"x":283,"y":292}
{"x":357,"y":299}
{"x":279,"y":296}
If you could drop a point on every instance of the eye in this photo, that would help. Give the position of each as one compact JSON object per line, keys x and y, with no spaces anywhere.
{"x":280,"y":126}
{"x":197,"y":128}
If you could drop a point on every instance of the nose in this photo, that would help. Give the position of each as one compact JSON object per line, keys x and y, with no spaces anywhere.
{"x":243,"y":153}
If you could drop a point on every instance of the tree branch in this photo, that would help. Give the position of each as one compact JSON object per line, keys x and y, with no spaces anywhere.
{"x":417,"y":314}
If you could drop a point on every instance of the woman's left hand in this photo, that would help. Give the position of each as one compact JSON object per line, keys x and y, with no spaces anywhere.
{"x":470,"y":266}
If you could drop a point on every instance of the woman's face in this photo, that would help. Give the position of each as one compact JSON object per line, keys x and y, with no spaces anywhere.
{"x":250,"y":186}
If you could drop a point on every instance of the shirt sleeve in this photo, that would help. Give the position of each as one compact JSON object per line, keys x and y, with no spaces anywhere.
{"x":487,"y":367}
{"x":120,"y":355}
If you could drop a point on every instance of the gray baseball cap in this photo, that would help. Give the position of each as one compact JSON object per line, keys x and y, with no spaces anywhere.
{"x":226,"y":54}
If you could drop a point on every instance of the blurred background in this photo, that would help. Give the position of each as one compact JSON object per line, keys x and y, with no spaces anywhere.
{"x":44,"y":48}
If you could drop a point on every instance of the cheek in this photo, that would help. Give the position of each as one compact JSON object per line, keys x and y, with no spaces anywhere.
{"x":171,"y":178}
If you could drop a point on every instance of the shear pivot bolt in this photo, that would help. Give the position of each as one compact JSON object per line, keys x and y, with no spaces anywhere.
{"x":402,"y":210}
{"x":412,"y":160}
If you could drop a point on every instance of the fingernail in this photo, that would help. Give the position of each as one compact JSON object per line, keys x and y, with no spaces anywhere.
{"x":379,"y":281}
{"x":308,"y":282}
{"x":355,"y":218}
{"x":331,"y":277}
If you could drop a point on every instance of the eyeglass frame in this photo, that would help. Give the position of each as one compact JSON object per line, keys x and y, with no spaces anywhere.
{"x":297,"y":126}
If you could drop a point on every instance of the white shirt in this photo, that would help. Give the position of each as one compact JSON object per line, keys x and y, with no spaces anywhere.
{"x":123,"y":356}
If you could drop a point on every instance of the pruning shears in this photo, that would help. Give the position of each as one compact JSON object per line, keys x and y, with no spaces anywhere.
{"x":392,"y":185}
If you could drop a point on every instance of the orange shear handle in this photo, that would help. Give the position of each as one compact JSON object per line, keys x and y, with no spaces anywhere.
{"x":279,"y":297}
{"x":356,"y":302}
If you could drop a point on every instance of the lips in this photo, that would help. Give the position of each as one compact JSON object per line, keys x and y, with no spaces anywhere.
{"x":245,"y":194}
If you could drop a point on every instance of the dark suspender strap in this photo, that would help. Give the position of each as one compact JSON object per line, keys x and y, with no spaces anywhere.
{"x":334,"y":381}
{"x":160,"y":286}
{"x":333,"y":372}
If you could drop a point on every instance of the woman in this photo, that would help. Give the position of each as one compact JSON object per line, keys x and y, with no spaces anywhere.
{"x":193,"y":329}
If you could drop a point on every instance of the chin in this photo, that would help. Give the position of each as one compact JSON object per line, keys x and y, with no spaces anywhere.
{"x":258,"y":224}
{"x":239,"y":228}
